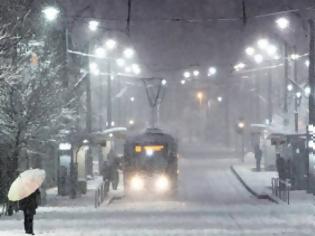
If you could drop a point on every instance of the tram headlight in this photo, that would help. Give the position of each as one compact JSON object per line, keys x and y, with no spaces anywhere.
{"x":162,"y":184}
{"x":137,"y":183}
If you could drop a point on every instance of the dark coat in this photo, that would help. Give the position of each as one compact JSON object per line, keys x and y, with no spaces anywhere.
{"x":30,"y":203}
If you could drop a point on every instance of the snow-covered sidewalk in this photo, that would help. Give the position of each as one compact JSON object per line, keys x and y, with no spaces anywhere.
{"x":259,"y":184}
{"x":84,"y":200}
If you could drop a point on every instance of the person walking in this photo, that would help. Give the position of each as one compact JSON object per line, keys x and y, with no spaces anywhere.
{"x":29,"y":205}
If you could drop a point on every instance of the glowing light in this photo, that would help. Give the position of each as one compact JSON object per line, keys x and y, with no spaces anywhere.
{"x":258,"y":58}
{"x":239,"y":66}
{"x":137,"y":183}
{"x":131,"y":122}
{"x":298,"y":94}
{"x":132,"y":99}
{"x":100,"y":52}
{"x":93,"y":25}
{"x":307,"y":63}
{"x":220,"y":99}
{"x":162,"y":184}
{"x":51,"y":13}
{"x":94,"y":68}
{"x":294,"y":56}
{"x":164,"y":82}
{"x":183,"y":81}
{"x":120,"y":62}
{"x":307,"y":91}
{"x":212,"y":71}
{"x":196,"y":73}
{"x":263,"y":43}
{"x":111,"y":44}
{"x":136,"y":69}
{"x":290,"y":87}
{"x":129,"y":53}
{"x":271,"y":50}
{"x":282,"y":23}
{"x":250,"y":51}
{"x":187,"y":74}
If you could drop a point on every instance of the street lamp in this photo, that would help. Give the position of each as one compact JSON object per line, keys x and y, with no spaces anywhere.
{"x":111,"y":44}
{"x":258,"y":58}
{"x":220,"y":99}
{"x":100,"y":52}
{"x":212,"y":71}
{"x":271,"y":50}
{"x":196,"y":73}
{"x":186,"y":74}
{"x":93,"y":25}
{"x":239,"y":66}
{"x":263,"y":43}
{"x":250,"y":51}
{"x":94,"y":68}
{"x":183,"y":81}
{"x":290,"y":87}
{"x":132,"y":99}
{"x":136,"y":69}
{"x":51,"y":13}
{"x":164,"y":82}
{"x":120,"y":62}
{"x":307,"y":91}
{"x":200,"y":97}
{"x":282,"y":23}
{"x":128,"y":53}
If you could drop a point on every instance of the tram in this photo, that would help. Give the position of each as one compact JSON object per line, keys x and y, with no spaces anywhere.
{"x":150,"y":163}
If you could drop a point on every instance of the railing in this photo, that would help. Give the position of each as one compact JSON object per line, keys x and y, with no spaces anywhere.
{"x":281,"y":189}
{"x":101,"y":193}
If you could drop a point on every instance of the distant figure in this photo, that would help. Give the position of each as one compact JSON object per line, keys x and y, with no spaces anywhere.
{"x":110,"y":169}
{"x":281,"y":168}
{"x":258,"y":155}
{"x":29,"y":205}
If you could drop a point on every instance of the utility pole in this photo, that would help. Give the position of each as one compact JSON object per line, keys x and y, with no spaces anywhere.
{"x":296,"y":114}
{"x":109,"y":95}
{"x":270,"y":105}
{"x":286,"y":78}
{"x":311,"y":78}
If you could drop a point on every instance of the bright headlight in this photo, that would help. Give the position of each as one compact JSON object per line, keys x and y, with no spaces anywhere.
{"x":137,"y":183}
{"x":162,"y":184}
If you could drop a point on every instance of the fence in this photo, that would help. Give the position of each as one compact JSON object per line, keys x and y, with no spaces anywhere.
{"x":281,"y":189}
{"x":101,"y":193}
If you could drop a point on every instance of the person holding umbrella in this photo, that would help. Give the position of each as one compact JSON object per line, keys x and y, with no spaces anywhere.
{"x":29,"y":205}
{"x":25,"y":190}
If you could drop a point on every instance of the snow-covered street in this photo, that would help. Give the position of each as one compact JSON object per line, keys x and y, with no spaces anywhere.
{"x":211,"y":201}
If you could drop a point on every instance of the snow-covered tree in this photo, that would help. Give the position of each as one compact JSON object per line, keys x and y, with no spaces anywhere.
{"x":35,"y":103}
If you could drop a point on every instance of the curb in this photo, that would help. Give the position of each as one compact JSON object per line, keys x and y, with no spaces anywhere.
{"x":249,"y":189}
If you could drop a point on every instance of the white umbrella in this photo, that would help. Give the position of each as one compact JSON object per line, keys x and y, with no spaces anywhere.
{"x":26,"y":183}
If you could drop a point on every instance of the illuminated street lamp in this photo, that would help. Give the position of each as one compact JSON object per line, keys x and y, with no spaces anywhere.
{"x":212,"y":71}
{"x":239,"y":66}
{"x":271,"y":50}
{"x":298,"y":94}
{"x":129,"y":53}
{"x":131,"y":122}
{"x":307,"y":91}
{"x":307,"y":63}
{"x":164,"y":82}
{"x":93,"y":25}
{"x":250,"y":51}
{"x":282,"y":23}
{"x":290,"y":87}
{"x":295,"y":56}
{"x":263,"y":43}
{"x":120,"y":62}
{"x":132,"y":99}
{"x":196,"y":73}
{"x":111,"y":44}
{"x":200,"y":97}
{"x":94,"y":68}
{"x":186,"y":74}
{"x":183,"y":81}
{"x":258,"y":58}
{"x":220,"y":99}
{"x":100,"y":52}
{"x":51,"y":13}
{"x":136,"y":69}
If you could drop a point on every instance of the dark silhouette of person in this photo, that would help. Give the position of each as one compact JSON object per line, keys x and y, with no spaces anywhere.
{"x":29,"y":205}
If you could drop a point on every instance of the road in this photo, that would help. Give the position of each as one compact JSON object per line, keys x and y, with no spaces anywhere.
{"x":210,"y":201}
